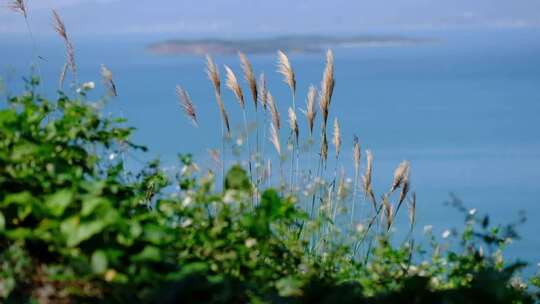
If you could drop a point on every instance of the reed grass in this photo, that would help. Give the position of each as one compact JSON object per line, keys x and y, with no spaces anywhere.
{"x":60,"y":29}
{"x":108,"y":81}
{"x":187,"y":104}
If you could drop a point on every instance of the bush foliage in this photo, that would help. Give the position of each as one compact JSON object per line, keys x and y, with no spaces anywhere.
{"x":77,"y":226}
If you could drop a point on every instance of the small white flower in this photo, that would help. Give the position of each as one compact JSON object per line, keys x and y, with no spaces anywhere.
{"x":239,"y":141}
{"x":186,"y":223}
{"x":472,"y":211}
{"x":360,"y":228}
{"x":428,"y":229}
{"x":187,"y":201}
{"x":446,"y":234}
{"x":229,"y":197}
{"x":250,"y":242}
{"x":112,"y":156}
{"x":87,"y":86}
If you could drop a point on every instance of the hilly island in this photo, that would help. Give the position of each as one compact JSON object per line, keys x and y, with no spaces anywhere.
{"x":294,"y":44}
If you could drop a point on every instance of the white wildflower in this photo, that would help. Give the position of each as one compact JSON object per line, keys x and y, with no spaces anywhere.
{"x":250,"y":242}
{"x":229,"y":197}
{"x":87,"y":86}
{"x":428,"y":229}
{"x":360,"y":228}
{"x":472,"y":211}
{"x":186,"y":223}
{"x":446,"y":234}
{"x":187,"y":201}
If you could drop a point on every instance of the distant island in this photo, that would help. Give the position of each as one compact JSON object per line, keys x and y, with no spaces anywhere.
{"x":296,"y":44}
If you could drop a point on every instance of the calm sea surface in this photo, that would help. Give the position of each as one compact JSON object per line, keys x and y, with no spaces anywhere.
{"x":464,"y":110}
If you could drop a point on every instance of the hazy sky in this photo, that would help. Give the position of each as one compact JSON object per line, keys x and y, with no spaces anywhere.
{"x":270,"y":16}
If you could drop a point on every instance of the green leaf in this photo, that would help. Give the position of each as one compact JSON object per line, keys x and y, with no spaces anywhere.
{"x":2,"y":221}
{"x":22,"y":150}
{"x":99,"y":262}
{"x":77,"y":232}
{"x":91,"y":204}
{"x":237,"y":179}
{"x":58,"y":202}
{"x":149,"y":254}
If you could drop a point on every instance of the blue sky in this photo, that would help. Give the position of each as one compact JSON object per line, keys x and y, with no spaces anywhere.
{"x":233,"y":17}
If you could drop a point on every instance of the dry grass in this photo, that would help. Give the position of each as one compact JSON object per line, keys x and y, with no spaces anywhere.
{"x":18,"y":6}
{"x":187,"y":104}
{"x":336,"y":140}
{"x":327,"y":87}
{"x":249,"y":76}
{"x":234,"y":86}
{"x":213,"y":74}
{"x":263,"y":91}
{"x":285,"y":69}
{"x":357,"y":155}
{"x":294,"y":124}
{"x":274,"y":138}
{"x":274,"y":112}
{"x":108,"y":80}
{"x":400,"y":175}
{"x":367,"y":178}
{"x":60,"y":28}
{"x":311,"y":111}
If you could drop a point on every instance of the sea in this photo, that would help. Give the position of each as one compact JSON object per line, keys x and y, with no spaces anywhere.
{"x":463,"y":108}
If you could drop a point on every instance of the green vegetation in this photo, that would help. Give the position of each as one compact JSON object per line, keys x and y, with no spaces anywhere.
{"x":76,"y":226}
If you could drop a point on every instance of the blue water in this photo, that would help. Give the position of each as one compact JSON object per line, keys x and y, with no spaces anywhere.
{"x":464,"y":110}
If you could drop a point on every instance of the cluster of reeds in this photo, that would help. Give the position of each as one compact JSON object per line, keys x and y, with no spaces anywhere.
{"x":330,"y":195}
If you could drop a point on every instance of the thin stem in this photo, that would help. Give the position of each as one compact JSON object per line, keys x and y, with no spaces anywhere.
{"x":249,"y":148}
{"x":355,"y":191}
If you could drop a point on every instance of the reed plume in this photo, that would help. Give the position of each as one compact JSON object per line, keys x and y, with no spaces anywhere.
{"x":232,"y":84}
{"x":274,"y":113}
{"x":356,"y":160}
{"x":367,"y":178}
{"x":327,"y":87}
{"x":311,"y":111}
{"x":336,"y":140}
{"x":187,"y":104}
{"x":60,"y":28}
{"x":357,"y":154}
{"x":400,"y":175}
{"x":19,"y":6}
{"x":404,"y":187}
{"x":294,"y":124}
{"x":213,"y":75}
{"x":107,"y":76}
{"x":285,"y":69}
{"x":263,"y":90}
{"x":324,"y":148}
{"x":274,"y":138}
{"x":388,"y":212}
{"x":249,"y":76}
